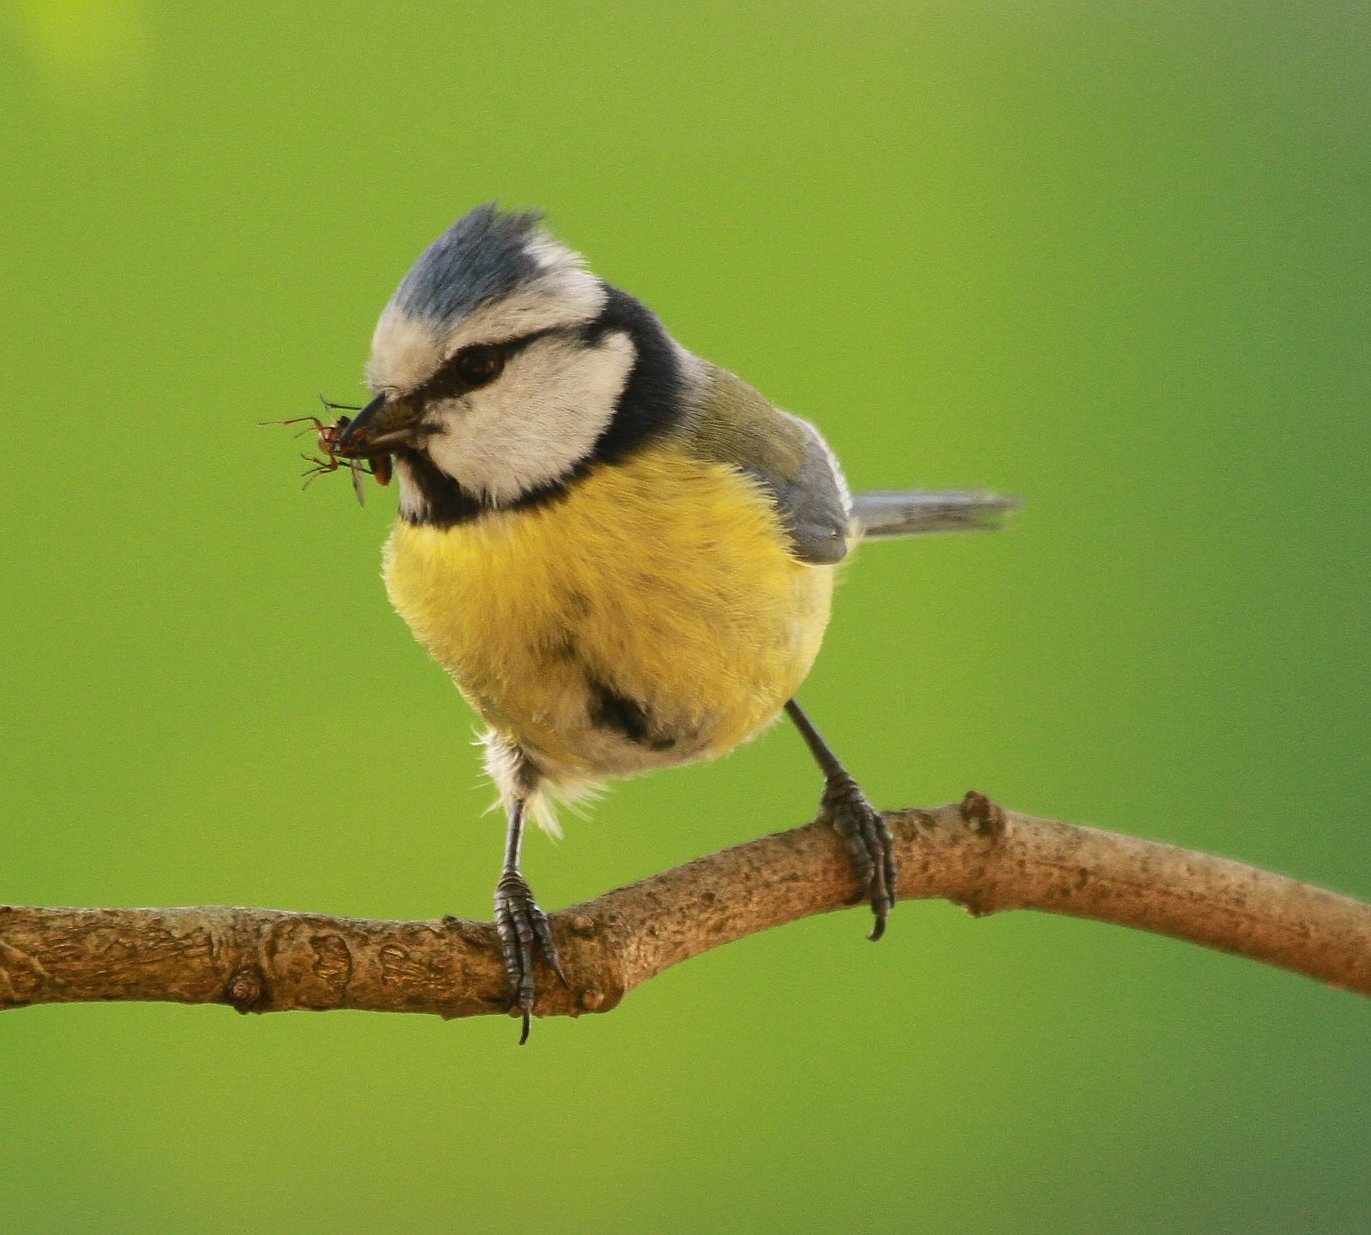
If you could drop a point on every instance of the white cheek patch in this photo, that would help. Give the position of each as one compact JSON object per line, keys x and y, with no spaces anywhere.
{"x":536,"y":422}
{"x":413,"y":505}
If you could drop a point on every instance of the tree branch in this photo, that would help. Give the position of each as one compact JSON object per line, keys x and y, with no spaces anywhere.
{"x":973,"y":853}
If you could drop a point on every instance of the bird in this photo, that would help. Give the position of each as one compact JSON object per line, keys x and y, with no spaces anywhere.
{"x":621,"y":553}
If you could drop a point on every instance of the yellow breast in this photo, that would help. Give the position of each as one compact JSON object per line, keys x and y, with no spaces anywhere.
{"x":653,"y":615}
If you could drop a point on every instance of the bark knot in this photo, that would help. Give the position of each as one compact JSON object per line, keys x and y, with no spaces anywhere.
{"x":247,"y":990}
{"x":982,"y":815}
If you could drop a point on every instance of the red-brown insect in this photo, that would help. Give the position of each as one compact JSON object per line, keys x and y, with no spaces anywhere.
{"x":378,"y":466}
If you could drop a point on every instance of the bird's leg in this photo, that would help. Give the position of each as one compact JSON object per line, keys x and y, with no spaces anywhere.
{"x":521,"y":924}
{"x":845,"y":807}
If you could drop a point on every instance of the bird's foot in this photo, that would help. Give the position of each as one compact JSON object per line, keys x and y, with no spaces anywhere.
{"x":523,"y":930}
{"x":845,"y":808}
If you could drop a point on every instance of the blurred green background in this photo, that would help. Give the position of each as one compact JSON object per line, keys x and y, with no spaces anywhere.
{"x":1111,"y":257}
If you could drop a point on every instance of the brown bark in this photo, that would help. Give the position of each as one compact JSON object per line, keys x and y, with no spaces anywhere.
{"x":973,"y":853}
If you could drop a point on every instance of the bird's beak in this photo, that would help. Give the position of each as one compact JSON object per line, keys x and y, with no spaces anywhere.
{"x":380,"y":427}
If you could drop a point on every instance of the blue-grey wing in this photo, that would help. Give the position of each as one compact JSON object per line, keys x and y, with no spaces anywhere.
{"x":732,"y":423}
{"x":813,"y":504}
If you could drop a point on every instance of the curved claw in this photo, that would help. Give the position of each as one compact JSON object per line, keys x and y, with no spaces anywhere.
{"x":868,"y":841}
{"x":523,"y":929}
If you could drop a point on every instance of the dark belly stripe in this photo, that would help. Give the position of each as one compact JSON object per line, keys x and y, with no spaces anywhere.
{"x":611,"y":710}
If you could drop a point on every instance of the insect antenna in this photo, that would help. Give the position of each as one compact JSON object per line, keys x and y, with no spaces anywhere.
{"x":331,"y":406}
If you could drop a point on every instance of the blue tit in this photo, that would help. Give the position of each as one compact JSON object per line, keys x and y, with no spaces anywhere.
{"x":621,"y":553}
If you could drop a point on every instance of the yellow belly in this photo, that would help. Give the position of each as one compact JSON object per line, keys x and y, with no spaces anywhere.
{"x":652,"y":616}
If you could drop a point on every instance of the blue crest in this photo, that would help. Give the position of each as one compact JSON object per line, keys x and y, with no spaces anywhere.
{"x":481,"y":257}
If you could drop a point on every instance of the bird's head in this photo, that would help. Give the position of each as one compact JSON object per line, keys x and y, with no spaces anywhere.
{"x":501,"y":367}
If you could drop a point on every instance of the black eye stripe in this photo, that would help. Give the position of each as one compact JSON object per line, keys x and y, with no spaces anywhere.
{"x":449,"y":382}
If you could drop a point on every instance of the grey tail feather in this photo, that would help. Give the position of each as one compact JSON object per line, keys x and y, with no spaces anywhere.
{"x":890,"y":513}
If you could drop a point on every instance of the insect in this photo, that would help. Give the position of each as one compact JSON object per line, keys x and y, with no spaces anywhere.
{"x":327,"y":436}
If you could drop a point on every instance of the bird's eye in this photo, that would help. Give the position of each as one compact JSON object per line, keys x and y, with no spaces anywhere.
{"x":478,"y":365}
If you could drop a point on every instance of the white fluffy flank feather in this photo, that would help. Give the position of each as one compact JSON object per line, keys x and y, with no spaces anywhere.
{"x":508,"y":769}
